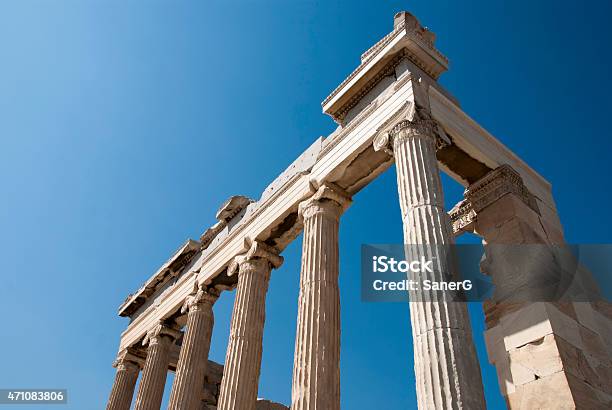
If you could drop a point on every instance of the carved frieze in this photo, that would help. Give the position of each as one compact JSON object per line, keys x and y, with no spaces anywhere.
{"x":501,"y":181}
{"x":497,"y":183}
{"x":461,"y":216}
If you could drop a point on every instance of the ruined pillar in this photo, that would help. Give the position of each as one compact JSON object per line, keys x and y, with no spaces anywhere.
{"x":151,"y":388}
{"x":446,"y":366}
{"x":193,"y":358}
{"x":316,"y":368}
{"x":122,"y":392}
{"x":243,"y":360}
{"x":547,"y":353}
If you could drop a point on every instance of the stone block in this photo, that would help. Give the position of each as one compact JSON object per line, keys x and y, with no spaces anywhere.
{"x":535,"y":360}
{"x":526,"y":325}
{"x":552,"y":392}
{"x":521,"y":374}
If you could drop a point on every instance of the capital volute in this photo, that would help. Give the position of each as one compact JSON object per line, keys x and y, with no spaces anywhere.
{"x":127,"y":361}
{"x":258,"y":253}
{"x":329,"y":199}
{"x":199,"y":298}
{"x":411,"y":121}
{"x":161,"y":331}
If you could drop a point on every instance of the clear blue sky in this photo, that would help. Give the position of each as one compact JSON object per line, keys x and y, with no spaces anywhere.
{"x":124,"y":125}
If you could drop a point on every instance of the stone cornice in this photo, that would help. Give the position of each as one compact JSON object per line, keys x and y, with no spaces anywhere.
{"x":370,"y":53}
{"x":181,"y":258}
{"x":408,"y":39}
{"x":497,"y":183}
{"x":484,"y":192}
{"x":228,"y":210}
{"x":387,"y":70}
{"x":211,"y":233}
{"x":375,"y":49}
{"x":259,"y":209}
{"x":232,"y":207}
{"x":336,"y":138}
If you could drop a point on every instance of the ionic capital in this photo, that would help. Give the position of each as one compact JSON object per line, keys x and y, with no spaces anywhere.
{"x":410,"y":121}
{"x":259,"y":253}
{"x":127,"y":361}
{"x":329,"y":200}
{"x":159,"y":331}
{"x":199,"y":298}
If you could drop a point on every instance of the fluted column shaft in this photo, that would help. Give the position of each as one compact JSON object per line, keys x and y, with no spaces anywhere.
{"x":316,"y":368}
{"x":193,"y":359}
{"x":122,"y":392}
{"x":151,"y":388}
{"x":446,"y":365}
{"x":243,"y":360}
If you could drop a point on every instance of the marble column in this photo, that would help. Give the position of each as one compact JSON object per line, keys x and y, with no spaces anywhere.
{"x":193,"y":359}
{"x":446,"y":365}
{"x":243,"y":360}
{"x":122,"y":392}
{"x":316,"y":367}
{"x":151,"y":388}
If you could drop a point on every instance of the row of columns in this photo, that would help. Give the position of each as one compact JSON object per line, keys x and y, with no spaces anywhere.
{"x":190,"y":369}
{"x":445,"y":360}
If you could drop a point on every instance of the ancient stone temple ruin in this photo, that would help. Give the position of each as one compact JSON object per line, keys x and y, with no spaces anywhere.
{"x":389,"y":110}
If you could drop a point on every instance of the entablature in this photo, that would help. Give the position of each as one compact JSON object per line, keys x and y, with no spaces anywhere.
{"x":169,"y":270}
{"x":408,"y":38}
